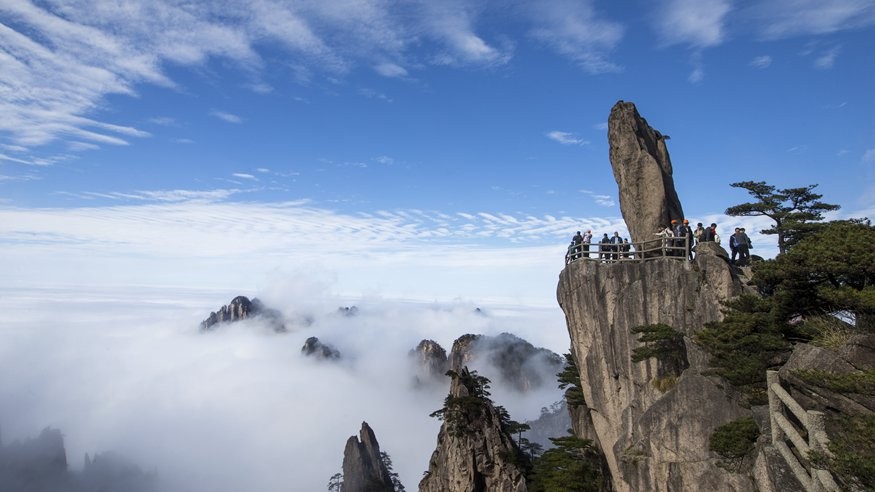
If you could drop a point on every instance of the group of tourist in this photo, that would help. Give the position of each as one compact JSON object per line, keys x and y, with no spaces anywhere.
{"x":678,"y":239}
{"x":608,"y":248}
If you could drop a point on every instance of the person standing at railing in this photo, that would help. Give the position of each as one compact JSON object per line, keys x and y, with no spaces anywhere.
{"x":577,"y":240}
{"x":666,"y":235}
{"x":626,"y":247}
{"x":604,"y":248}
{"x":616,"y":241}
{"x":688,"y":238}
{"x":569,"y":255}
{"x":587,"y":239}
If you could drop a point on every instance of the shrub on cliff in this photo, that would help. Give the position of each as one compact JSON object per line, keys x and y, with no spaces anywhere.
{"x":853,"y":453}
{"x":666,"y":345}
{"x":569,"y":380}
{"x":734,"y":440}
{"x":569,"y":467}
{"x":744,"y":344}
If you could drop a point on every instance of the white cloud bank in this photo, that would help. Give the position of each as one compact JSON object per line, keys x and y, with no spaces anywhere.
{"x":240,"y":408}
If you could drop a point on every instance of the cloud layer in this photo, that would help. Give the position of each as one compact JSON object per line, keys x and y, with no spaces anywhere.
{"x":239,"y":408}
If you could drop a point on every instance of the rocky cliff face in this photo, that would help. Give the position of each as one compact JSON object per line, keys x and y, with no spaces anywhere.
{"x":363,"y":470}
{"x":652,"y":420}
{"x":241,"y":308}
{"x":652,"y":440}
{"x":473,"y":450}
{"x":642,"y":168}
{"x":517,"y":362}
{"x":430,"y":360}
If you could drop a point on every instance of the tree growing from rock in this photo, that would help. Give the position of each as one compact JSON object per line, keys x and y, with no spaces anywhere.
{"x":796,"y":211}
{"x":831,"y":271}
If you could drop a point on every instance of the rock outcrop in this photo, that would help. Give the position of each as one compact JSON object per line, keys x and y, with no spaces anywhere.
{"x":642,"y":168}
{"x":363,"y":467}
{"x":430,"y":360}
{"x":651,"y":421}
{"x":515,"y":361}
{"x":651,"y":440}
{"x":474,"y":453}
{"x":313,"y":347}
{"x":40,"y":464}
{"x":241,"y":308}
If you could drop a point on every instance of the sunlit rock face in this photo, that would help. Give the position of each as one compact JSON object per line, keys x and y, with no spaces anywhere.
{"x":363,"y":470}
{"x":430,"y":360}
{"x":651,"y":440}
{"x":642,"y":168}
{"x":472,"y":452}
{"x":654,"y":437}
{"x":241,"y":308}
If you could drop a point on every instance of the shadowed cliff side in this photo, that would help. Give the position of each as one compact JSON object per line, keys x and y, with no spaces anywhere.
{"x":363,"y":470}
{"x":642,"y":168}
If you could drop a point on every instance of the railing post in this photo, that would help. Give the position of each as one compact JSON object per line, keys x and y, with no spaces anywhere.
{"x":818,"y":442}
{"x":774,"y":404}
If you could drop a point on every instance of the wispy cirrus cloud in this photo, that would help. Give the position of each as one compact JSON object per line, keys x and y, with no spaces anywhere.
{"x":785,"y":18}
{"x":63,"y":58}
{"x":225,"y":116}
{"x":245,"y":176}
{"x":826,"y":59}
{"x":699,"y":23}
{"x":566,"y":138}
{"x":573,"y":29}
{"x":761,"y":62}
{"x":600,"y":199}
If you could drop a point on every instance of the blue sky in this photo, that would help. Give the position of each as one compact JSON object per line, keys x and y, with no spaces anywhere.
{"x":378,"y":144}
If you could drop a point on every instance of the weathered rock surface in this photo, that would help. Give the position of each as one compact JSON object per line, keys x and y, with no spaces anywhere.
{"x":508,"y":359}
{"x":431,"y":361}
{"x":313,"y":347}
{"x":642,"y":168}
{"x":858,"y":354}
{"x":363,"y":469}
{"x":241,"y":308}
{"x":472,"y":450}
{"x":651,"y":440}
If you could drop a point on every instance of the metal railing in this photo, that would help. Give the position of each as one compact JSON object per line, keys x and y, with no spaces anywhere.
{"x":785,"y":434}
{"x":668,"y":247}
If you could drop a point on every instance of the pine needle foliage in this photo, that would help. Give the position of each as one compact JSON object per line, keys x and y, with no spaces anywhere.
{"x":569,"y":467}
{"x":569,"y":380}
{"x":734,"y":440}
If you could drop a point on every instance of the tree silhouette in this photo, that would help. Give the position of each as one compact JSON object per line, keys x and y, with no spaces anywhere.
{"x":796,"y":211}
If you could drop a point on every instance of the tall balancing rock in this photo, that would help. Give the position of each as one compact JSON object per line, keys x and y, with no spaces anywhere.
{"x":363,"y":470}
{"x":642,"y":168}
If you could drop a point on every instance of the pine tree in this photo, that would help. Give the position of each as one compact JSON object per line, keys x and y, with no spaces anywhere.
{"x":796,"y":211}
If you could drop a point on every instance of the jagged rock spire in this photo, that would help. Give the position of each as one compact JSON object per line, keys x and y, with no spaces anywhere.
{"x":642,"y":168}
{"x":363,"y":470}
{"x":475,"y":456}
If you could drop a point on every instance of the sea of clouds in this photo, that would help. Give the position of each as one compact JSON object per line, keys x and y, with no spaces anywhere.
{"x":127,"y":370}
